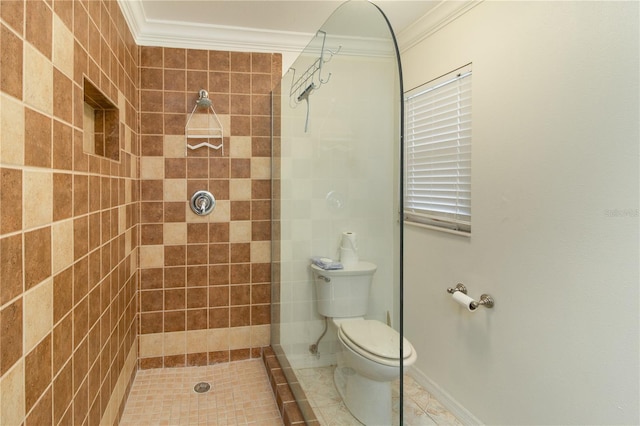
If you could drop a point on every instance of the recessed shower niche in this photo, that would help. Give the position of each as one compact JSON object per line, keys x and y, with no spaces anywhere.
{"x":101,"y":124}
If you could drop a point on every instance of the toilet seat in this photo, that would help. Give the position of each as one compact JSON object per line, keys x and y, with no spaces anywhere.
{"x":375,"y":341}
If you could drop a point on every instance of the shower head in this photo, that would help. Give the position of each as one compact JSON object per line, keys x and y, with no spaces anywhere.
{"x":203,"y":101}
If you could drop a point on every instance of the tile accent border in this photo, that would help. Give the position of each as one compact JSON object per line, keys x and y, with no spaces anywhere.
{"x":202,"y":347}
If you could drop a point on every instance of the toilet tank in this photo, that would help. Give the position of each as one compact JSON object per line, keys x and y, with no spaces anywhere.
{"x":343,"y":292}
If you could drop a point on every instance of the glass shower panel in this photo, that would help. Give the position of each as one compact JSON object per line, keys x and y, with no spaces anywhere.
{"x":336,"y":169}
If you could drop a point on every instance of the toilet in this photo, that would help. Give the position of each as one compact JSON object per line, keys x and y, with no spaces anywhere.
{"x":369,"y":355}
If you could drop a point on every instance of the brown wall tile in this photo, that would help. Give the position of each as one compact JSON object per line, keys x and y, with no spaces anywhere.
{"x":11,"y":71}
{"x":197,"y":276}
{"x":37,"y":372}
{"x":175,"y":361}
{"x":174,"y":299}
{"x":240,"y":316}
{"x":219,"y":296}
{"x":175,"y":58}
{"x":42,"y":412}
{"x":11,"y":273}
{"x":197,"y":297}
{"x":240,"y":253}
{"x":196,"y":80}
{"x":152,"y":146}
{"x":62,"y":342}
{"x":37,"y":262}
{"x":10,"y":200}
{"x":219,"y":60}
{"x":151,"y":234}
{"x":219,"y":318}
{"x":261,"y":230}
{"x":62,"y":97}
{"x":174,"y":321}
{"x":240,"y":273}
{"x":151,"y":190}
{"x":174,"y":277}
{"x":240,"y":82}
{"x":62,"y":294}
{"x":62,"y":392}
{"x":62,"y":196}
{"x":260,"y":314}
{"x":261,"y":273}
{"x":151,"y":57}
{"x":10,"y":335}
{"x":261,"y":62}
{"x":198,"y":359}
{"x":219,"y":253}
{"x":260,"y":146}
{"x":175,"y":212}
{"x":62,"y":145}
{"x":260,"y":293}
{"x":151,"y":300}
{"x":37,"y":139}
{"x":197,"y":59}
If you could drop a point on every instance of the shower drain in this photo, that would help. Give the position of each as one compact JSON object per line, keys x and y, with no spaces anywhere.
{"x":202,"y":387}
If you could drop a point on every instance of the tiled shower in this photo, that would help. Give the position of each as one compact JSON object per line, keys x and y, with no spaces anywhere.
{"x":204,"y":280}
{"x":96,"y":252}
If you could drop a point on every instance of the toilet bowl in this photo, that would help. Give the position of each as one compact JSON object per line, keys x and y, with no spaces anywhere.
{"x":368,"y":362}
{"x":369,"y":357}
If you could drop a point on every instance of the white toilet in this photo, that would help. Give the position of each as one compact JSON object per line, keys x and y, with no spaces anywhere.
{"x":369,"y":359}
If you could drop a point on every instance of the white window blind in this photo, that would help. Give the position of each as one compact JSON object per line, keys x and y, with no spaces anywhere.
{"x":438,"y":152}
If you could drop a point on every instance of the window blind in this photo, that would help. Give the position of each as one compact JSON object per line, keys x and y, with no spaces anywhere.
{"x":438,"y":152}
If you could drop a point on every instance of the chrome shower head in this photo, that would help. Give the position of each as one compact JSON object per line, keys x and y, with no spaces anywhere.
{"x":203,"y":101}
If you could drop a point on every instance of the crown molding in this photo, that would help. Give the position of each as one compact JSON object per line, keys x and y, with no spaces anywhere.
{"x":152,"y":32}
{"x":441,"y":15}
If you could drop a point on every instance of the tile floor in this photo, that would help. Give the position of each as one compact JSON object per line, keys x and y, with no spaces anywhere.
{"x":420,"y":408}
{"x":240,"y":395}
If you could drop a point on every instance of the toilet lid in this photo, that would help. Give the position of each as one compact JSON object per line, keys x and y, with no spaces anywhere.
{"x":377,"y":338}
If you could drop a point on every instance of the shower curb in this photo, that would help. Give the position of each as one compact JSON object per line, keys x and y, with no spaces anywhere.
{"x":290,"y":409}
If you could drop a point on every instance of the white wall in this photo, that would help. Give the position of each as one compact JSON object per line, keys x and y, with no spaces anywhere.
{"x":555,"y":218}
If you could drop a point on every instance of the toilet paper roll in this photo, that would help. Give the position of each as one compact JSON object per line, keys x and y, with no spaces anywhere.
{"x":463,"y":300}
{"x":349,"y":241}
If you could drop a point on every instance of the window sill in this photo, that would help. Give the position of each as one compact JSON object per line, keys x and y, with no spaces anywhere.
{"x":437,"y":228}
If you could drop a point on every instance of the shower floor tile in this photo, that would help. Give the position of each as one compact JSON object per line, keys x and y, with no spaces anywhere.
{"x":240,"y":394}
{"x":420,"y":408}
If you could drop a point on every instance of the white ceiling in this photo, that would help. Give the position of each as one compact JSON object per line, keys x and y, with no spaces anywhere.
{"x":242,"y":25}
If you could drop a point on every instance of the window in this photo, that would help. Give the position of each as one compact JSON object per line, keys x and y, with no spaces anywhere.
{"x":437,"y":181}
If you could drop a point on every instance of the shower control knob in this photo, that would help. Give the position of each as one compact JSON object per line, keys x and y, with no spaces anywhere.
{"x":202,"y":203}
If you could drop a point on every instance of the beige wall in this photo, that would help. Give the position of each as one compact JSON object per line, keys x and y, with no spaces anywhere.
{"x":555,"y":219}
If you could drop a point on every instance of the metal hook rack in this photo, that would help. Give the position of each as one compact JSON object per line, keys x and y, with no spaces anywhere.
{"x":302,"y":87}
{"x":204,"y":126}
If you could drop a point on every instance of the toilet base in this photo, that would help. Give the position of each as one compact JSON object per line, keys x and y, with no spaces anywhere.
{"x":368,"y":400}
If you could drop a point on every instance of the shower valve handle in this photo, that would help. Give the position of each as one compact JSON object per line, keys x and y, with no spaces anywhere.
{"x":202,"y":203}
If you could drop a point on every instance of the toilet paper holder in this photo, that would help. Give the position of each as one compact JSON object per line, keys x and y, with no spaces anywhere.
{"x":485,"y":300}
